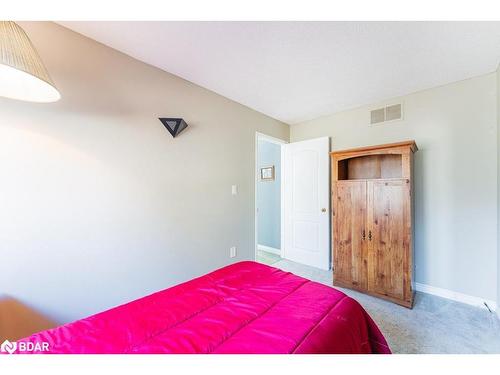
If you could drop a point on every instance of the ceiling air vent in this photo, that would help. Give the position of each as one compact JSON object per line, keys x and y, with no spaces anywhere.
{"x":388,"y":113}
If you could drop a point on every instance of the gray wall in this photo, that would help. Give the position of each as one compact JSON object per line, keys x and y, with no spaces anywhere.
{"x":99,"y":204}
{"x":269,"y":197}
{"x":498,"y":187}
{"x":455,"y":177}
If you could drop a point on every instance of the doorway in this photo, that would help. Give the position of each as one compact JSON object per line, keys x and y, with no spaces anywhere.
{"x":292,"y":209}
{"x":268,"y":199}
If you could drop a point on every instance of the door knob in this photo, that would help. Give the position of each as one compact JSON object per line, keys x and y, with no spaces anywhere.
{"x":323,"y":210}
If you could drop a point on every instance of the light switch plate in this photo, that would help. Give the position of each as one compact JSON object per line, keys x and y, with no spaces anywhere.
{"x":234,"y":189}
{"x":232,"y":252}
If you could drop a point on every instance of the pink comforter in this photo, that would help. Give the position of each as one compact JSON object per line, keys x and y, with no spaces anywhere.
{"x":246,"y":307}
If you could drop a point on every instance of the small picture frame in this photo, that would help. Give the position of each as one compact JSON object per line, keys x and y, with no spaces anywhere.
{"x":267,"y":173}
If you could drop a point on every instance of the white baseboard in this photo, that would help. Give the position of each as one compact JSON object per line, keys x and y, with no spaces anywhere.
{"x":269,"y":249}
{"x":456,"y":296}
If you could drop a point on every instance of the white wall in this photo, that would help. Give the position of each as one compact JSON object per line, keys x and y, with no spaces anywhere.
{"x":99,"y":205}
{"x":455,"y":181}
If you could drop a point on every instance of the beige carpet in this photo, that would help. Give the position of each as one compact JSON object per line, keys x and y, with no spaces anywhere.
{"x":267,"y":258}
{"x":434,"y":325}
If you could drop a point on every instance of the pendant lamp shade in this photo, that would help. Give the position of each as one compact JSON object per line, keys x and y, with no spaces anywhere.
{"x":22,"y":73}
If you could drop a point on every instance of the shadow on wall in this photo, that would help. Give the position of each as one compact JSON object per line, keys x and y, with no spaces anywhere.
{"x":18,"y":320}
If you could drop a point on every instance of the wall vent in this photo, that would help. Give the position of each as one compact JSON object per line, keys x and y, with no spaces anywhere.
{"x":388,"y":113}
{"x":377,"y":116}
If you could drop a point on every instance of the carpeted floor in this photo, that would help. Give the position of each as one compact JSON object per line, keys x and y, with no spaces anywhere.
{"x":434,"y":325}
{"x":267,"y":258}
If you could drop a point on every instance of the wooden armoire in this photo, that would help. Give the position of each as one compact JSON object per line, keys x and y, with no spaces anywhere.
{"x":372,"y":226}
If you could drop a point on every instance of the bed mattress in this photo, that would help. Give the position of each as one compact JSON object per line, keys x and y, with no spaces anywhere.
{"x":246,"y":307}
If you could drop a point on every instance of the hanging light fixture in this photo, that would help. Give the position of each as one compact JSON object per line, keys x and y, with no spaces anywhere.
{"x":22,"y":73}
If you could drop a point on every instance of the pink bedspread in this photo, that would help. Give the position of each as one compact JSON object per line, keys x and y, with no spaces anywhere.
{"x":246,"y":307}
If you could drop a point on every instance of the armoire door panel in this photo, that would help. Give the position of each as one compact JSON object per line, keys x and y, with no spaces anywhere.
{"x":350,"y":233}
{"x":389,"y":233}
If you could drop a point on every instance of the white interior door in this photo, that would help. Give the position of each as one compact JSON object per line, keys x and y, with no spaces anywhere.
{"x":306,"y":218}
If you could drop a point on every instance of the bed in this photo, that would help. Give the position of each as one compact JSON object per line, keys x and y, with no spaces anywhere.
{"x":246,"y":307}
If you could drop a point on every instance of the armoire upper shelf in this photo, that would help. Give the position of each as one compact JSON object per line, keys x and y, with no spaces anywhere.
{"x":369,"y":163}
{"x":371,"y":167}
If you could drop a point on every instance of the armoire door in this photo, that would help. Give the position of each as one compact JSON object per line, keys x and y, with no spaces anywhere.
{"x":350,"y":252}
{"x":389,"y":237}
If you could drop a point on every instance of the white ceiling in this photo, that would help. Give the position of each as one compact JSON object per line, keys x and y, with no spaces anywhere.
{"x":296,"y":71}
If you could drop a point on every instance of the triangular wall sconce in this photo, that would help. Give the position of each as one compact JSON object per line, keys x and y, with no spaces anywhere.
{"x":174,"y":125}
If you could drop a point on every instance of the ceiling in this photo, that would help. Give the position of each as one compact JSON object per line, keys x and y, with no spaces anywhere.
{"x":297,"y":71}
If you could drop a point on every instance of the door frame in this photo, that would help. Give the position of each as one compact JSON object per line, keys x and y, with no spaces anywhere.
{"x":261,"y":136}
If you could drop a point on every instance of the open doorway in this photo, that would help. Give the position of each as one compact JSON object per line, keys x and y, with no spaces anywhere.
{"x":268,"y":199}
{"x":292,"y":201}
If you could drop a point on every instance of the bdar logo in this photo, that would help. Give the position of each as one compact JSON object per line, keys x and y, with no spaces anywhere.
{"x":9,"y":347}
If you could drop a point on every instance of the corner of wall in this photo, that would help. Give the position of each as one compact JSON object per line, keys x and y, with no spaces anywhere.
{"x":498,"y":188}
